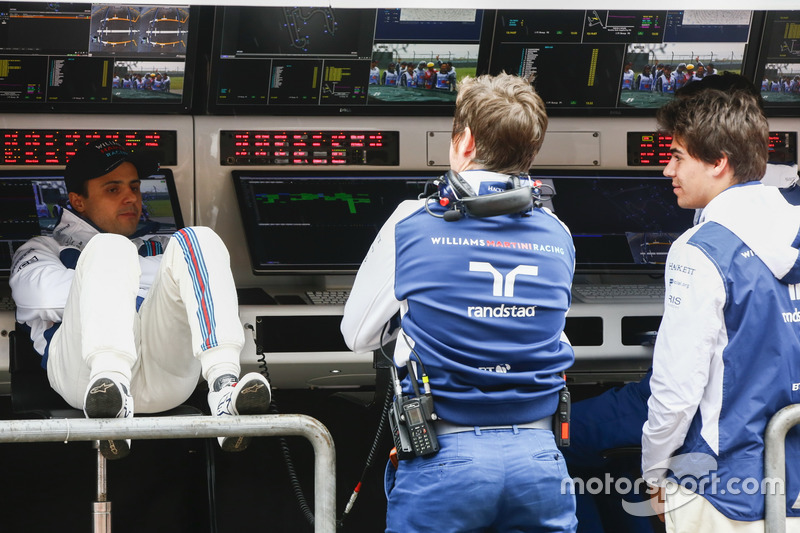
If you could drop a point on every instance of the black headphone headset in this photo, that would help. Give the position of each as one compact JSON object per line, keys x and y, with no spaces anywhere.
{"x":457,"y":195}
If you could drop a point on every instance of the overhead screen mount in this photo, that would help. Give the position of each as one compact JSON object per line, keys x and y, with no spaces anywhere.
{"x":102,"y":58}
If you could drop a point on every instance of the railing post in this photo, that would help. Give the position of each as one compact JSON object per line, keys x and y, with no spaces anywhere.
{"x":177,"y":427}
{"x":775,"y":466}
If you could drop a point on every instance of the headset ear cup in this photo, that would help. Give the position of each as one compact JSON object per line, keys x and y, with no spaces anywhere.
{"x":459,"y":185}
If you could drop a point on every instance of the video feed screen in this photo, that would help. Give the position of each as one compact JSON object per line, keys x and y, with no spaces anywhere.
{"x":623,"y":59}
{"x":84,"y":56}
{"x":778,"y":71}
{"x":284,"y":59}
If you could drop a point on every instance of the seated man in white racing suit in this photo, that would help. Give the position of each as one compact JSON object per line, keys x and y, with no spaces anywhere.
{"x":123,"y":320}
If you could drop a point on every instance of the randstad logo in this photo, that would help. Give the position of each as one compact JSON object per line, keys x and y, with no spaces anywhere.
{"x":502,"y":286}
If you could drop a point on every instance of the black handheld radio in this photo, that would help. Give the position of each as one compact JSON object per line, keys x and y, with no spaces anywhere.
{"x":411,"y":419}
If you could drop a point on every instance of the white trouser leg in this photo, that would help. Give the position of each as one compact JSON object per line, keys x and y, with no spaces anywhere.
{"x":97,"y":331}
{"x":189,"y":322}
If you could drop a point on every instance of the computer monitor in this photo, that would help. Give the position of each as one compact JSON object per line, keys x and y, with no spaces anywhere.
{"x":593,"y":61}
{"x":621,"y":221}
{"x":318,"y":222}
{"x":96,"y":57}
{"x":325,"y":222}
{"x":778,"y":71}
{"x":31,"y":201}
{"x":331,"y":61}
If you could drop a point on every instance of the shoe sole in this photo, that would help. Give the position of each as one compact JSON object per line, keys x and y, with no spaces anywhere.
{"x":253,"y":399}
{"x":104,"y":400}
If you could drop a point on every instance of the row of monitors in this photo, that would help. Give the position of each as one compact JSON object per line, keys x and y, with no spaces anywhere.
{"x":324,"y":222}
{"x":331,"y":61}
{"x":620,"y":221}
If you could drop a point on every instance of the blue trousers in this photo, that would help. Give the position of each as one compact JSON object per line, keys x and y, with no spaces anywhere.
{"x":611,"y":420}
{"x":483,"y":481}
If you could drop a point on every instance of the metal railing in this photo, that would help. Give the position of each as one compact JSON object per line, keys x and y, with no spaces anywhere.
{"x":173,"y":427}
{"x":775,"y":465}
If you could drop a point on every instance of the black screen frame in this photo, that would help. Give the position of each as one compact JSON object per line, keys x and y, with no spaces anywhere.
{"x":772,"y":109}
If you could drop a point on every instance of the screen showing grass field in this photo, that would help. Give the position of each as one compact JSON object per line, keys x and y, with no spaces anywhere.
{"x":322,"y":56}
{"x":617,"y":59}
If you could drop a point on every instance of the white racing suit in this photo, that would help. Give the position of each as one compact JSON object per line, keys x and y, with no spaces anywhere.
{"x":161,"y":311}
{"x":727,"y":356}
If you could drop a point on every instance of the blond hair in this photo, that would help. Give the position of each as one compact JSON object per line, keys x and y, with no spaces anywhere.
{"x":507,"y":120}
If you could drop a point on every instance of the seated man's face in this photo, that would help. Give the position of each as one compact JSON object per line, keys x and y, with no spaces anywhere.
{"x":114,"y":201}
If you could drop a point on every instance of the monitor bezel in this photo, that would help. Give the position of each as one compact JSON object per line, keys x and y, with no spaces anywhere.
{"x":759,"y":65}
{"x":749,"y":60}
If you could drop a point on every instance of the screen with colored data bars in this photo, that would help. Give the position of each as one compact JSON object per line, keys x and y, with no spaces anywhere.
{"x":318,"y":221}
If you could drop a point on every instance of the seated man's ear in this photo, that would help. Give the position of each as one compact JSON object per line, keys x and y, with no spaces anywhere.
{"x":77,"y":202}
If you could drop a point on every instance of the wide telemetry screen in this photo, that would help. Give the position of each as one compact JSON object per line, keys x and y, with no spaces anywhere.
{"x":85,"y":55}
{"x":285,"y":59}
{"x":320,"y":222}
{"x":605,"y":60}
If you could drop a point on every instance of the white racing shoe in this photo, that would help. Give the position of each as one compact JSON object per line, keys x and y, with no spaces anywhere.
{"x":107,"y":397}
{"x":250,"y":395}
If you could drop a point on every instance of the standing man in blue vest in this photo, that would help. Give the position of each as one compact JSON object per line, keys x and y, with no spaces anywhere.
{"x":727,"y":355}
{"x":477,"y":304}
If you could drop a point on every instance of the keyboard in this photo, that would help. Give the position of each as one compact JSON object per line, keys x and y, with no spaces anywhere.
{"x":619,"y":292}
{"x":329,"y":296}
